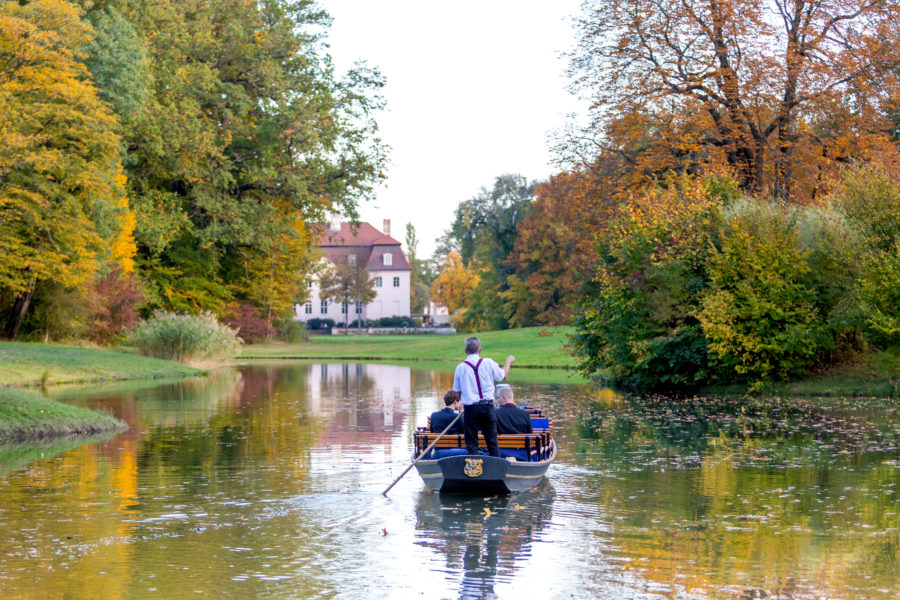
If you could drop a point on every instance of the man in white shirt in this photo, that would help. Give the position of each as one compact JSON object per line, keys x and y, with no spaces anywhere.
{"x":474,"y":380}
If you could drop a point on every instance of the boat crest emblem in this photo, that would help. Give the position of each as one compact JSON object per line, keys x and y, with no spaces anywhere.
{"x":474,"y":467}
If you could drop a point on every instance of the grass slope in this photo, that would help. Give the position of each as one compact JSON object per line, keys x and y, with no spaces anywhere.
{"x":27,"y":415}
{"x":533,"y":347}
{"x":23,"y":364}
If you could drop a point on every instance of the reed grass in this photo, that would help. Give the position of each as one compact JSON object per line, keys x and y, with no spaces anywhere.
{"x":189,"y":339}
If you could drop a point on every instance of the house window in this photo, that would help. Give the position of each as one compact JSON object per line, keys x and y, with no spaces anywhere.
{"x":324,"y":307}
{"x":358,"y":307}
{"x":307,"y":308}
{"x":396,"y":282}
{"x":344,"y":308}
{"x":309,"y":285}
{"x":351,"y":260}
{"x":388,"y":259}
{"x":378,"y":282}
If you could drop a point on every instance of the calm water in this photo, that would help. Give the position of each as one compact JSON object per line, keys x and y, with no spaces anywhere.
{"x":266,"y":482}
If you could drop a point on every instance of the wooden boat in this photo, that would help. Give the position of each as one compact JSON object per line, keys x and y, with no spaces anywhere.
{"x":524,"y":460}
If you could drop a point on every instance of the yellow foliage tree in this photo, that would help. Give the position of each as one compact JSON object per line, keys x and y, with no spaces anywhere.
{"x":454,"y":283}
{"x":61,"y":189}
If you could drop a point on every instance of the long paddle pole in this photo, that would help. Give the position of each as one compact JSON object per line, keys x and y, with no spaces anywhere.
{"x":424,"y":452}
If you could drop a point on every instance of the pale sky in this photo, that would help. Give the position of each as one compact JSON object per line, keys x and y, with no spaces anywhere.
{"x":473,"y":90}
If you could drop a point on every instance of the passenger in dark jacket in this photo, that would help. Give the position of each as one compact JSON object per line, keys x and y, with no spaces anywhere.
{"x":511,"y":418}
{"x":441,"y":419}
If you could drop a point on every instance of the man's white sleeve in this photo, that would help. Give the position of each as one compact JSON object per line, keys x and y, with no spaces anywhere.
{"x":499,"y":375}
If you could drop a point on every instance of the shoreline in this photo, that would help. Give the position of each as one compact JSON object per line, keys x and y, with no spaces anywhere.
{"x":28,"y":416}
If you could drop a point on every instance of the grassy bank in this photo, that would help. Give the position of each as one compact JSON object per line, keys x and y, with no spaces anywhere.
{"x":26,"y":415}
{"x":28,"y":364}
{"x":875,"y":374}
{"x":533,"y":347}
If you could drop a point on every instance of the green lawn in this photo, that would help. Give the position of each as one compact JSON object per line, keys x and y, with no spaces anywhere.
{"x":23,"y":364}
{"x":533,"y":347}
{"x":27,"y":415}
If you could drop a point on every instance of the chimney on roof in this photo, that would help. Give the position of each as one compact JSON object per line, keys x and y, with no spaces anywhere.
{"x":335,"y":222}
{"x":387,"y":227}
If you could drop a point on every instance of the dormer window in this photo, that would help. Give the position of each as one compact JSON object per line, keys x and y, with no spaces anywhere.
{"x":351,"y":260}
{"x":388,"y":259}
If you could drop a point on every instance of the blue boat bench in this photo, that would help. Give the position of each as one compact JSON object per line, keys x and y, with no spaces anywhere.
{"x":527,"y":447}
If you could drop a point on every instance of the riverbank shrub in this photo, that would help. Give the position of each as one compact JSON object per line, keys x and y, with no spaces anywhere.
{"x":870,"y":197}
{"x":185,"y":338}
{"x":638,"y":317}
{"x":244,"y":318}
{"x":696,"y":286}
{"x":777,"y":280}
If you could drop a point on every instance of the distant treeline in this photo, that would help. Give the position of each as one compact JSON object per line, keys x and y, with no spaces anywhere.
{"x":167,"y":154}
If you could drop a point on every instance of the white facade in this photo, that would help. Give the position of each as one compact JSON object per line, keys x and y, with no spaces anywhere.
{"x":388,"y":268}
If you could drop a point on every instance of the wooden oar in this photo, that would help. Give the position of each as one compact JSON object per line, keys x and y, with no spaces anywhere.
{"x":424,"y":452}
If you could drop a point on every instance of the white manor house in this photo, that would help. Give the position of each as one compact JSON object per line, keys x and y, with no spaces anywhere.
{"x":380,"y":254}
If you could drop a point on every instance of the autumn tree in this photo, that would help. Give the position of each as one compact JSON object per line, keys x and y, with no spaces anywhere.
{"x":554,"y":250}
{"x":63,"y":209}
{"x":453,"y":284}
{"x":780,"y":91}
{"x":348,"y":283}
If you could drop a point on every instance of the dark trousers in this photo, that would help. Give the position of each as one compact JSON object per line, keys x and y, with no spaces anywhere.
{"x":484,"y":417}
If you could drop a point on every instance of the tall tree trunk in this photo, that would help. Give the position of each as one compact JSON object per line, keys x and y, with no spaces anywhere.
{"x":20,"y":307}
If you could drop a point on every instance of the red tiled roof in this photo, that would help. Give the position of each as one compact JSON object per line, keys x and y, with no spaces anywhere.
{"x":369,"y":245}
{"x":364,"y":235}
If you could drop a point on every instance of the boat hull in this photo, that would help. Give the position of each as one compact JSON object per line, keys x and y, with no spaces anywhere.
{"x":478,"y":474}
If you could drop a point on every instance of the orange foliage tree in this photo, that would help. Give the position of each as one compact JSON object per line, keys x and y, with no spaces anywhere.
{"x":780,"y":91}
{"x":554,"y":249}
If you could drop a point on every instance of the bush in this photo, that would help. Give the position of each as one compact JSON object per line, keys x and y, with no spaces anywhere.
{"x":245,"y":318}
{"x":320,"y":324}
{"x":777,"y":285}
{"x":292,"y":331}
{"x":185,"y":338}
{"x":113,"y":305}
{"x":637,"y":319}
{"x":879,"y":293}
{"x":397,"y":322}
{"x":361,"y":323}
{"x":870,"y":199}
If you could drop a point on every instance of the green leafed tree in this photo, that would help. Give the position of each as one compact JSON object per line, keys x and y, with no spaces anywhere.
{"x":485,"y":229}
{"x":246,"y":130}
{"x":347,"y":283}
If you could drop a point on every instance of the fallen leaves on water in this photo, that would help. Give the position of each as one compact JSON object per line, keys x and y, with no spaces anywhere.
{"x":487,"y":513}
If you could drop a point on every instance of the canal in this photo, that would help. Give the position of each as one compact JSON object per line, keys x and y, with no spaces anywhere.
{"x":265,"y":481}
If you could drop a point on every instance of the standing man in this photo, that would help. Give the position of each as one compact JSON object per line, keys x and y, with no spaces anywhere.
{"x":474,"y":380}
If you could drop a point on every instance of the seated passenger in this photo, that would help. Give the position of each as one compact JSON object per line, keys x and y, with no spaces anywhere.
{"x":511,"y":418}
{"x":441,"y":419}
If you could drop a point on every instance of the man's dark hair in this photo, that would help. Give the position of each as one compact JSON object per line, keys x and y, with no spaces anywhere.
{"x":451,"y":397}
{"x":473,"y":345}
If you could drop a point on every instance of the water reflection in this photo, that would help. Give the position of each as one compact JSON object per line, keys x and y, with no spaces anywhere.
{"x":485,"y":539}
{"x":265,"y":482}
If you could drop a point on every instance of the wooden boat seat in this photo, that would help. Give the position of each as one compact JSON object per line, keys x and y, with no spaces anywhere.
{"x":526,"y":446}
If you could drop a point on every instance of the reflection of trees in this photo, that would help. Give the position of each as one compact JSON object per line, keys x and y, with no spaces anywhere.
{"x":484,"y":545}
{"x":772,"y":495}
